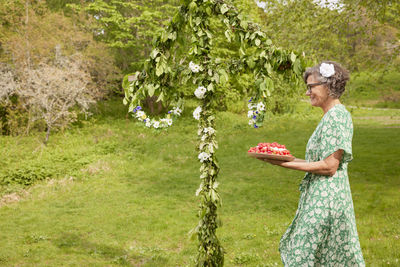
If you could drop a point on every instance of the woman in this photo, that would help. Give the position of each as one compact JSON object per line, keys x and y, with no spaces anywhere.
{"x":323,"y":232}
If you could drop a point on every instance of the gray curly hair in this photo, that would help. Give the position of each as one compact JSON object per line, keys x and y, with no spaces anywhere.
{"x":336,"y":83}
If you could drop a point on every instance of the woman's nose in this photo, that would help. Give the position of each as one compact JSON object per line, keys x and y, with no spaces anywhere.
{"x":308,"y":93}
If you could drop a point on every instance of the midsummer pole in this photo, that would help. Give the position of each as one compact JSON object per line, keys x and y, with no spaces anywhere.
{"x":208,"y":73}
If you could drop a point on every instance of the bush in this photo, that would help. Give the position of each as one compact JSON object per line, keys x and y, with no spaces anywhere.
{"x":49,"y":35}
{"x":53,"y":94}
{"x":25,"y":176}
{"x":57,"y":70}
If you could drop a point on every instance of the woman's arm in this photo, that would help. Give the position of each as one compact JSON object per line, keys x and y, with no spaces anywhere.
{"x":299,"y":160}
{"x":328,"y":166}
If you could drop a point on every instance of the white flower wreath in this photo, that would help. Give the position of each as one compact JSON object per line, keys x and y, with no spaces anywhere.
{"x":165,"y":122}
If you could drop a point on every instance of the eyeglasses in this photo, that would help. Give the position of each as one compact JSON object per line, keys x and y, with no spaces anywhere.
{"x":311,"y":85}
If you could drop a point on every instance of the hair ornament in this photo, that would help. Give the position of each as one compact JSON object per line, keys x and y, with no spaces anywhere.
{"x":327,"y":70}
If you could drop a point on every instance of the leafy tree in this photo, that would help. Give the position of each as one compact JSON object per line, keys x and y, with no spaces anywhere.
{"x":57,"y":5}
{"x":33,"y":41}
{"x":386,"y":11}
{"x":128,"y":27}
{"x":347,"y":33}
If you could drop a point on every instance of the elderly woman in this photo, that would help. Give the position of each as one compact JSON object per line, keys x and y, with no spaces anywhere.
{"x":324,"y":232}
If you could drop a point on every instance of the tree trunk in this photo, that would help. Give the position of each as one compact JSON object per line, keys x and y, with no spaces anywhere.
{"x":154,"y":106}
{"x":47,"y":135}
{"x":28,"y":54}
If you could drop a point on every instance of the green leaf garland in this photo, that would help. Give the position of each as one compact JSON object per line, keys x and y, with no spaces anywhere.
{"x":257,"y":53}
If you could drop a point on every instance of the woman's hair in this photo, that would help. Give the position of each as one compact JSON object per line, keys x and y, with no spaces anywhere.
{"x":335,"y":83}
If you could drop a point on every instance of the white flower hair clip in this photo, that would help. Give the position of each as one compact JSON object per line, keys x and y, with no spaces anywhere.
{"x":327,"y":70}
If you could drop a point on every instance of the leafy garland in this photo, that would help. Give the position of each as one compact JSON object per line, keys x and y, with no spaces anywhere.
{"x":256,"y":53}
{"x":165,"y":122}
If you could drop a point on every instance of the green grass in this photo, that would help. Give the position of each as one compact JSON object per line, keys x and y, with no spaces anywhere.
{"x":379,"y":89}
{"x":117,"y":194}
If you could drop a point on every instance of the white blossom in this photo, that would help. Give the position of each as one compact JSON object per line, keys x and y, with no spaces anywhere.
{"x":251,"y":122}
{"x":203,"y":156}
{"x":194,"y":67}
{"x":148,"y":123}
{"x":327,"y":70}
{"x":140,"y":114}
{"x":250,"y":114}
{"x":196,"y":113}
{"x":164,"y":122}
{"x":209,"y":130}
{"x":156,"y":124}
{"x":251,"y":106}
{"x":178,"y":111}
{"x":260,"y":106}
{"x":200,"y":92}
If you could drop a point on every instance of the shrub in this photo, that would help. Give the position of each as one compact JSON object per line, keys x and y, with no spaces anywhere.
{"x":56,"y":93}
{"x":25,"y":176}
{"x":53,"y":94}
{"x":57,"y":69}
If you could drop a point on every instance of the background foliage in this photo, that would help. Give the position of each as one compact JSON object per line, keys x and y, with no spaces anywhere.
{"x":115,"y":37}
{"x":32,"y":36}
{"x":358,"y":34}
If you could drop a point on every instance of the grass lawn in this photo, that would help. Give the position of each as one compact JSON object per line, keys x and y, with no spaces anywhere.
{"x":114,"y":193}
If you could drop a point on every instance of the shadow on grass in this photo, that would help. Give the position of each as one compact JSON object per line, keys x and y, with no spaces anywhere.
{"x":71,"y":243}
{"x":110,"y":109}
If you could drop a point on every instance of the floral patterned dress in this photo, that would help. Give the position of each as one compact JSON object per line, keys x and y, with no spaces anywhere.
{"x":324,"y":232}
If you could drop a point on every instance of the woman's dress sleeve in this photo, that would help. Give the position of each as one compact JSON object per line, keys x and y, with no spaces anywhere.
{"x":337,"y":133}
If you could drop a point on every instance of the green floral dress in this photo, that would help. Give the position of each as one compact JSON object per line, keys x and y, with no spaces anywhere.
{"x":324,"y":232}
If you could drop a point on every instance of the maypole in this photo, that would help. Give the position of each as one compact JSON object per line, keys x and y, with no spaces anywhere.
{"x":210,"y":251}
{"x":257,"y":54}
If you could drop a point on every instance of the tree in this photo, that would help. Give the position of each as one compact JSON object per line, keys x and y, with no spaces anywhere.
{"x":127,"y":27}
{"x":56,"y":93}
{"x":34,"y":42}
{"x":209,"y":73}
{"x":349,"y":33}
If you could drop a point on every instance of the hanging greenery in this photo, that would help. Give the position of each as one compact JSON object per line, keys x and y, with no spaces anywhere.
{"x":208,"y":74}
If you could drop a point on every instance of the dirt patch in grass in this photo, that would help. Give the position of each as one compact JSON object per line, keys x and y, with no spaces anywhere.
{"x":23,"y":194}
{"x":99,"y":166}
{"x":13,"y":197}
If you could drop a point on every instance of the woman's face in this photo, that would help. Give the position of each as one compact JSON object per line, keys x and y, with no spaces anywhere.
{"x":318,"y":93}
